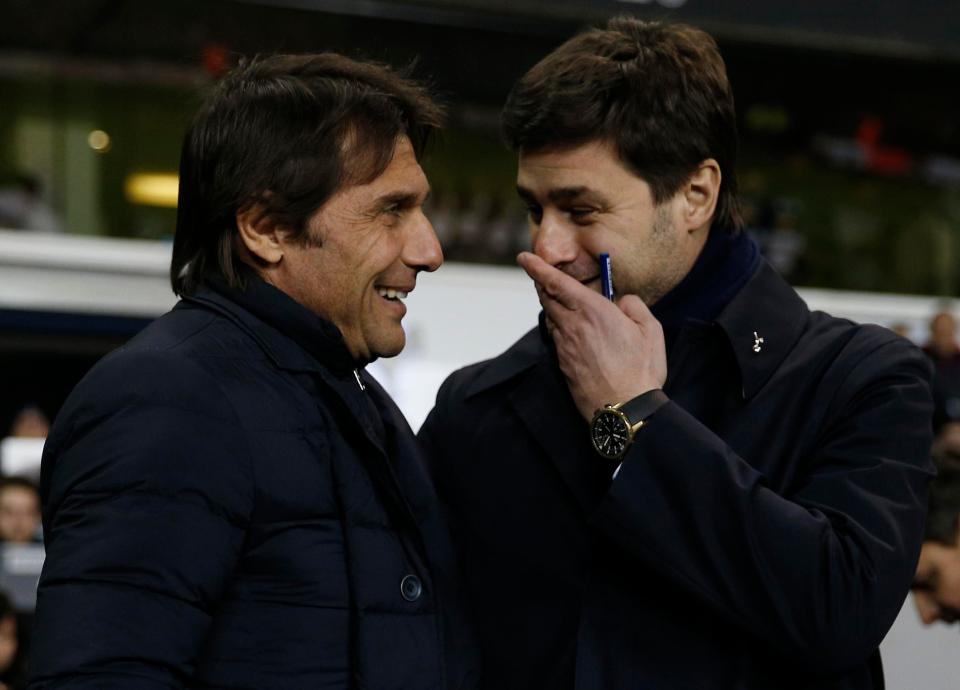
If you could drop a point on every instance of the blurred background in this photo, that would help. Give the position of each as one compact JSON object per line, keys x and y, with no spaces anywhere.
{"x":850,"y":173}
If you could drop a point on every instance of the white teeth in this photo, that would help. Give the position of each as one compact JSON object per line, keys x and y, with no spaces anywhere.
{"x":390,"y":293}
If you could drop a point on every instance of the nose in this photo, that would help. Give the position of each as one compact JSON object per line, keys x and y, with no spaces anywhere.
{"x":422,"y":250}
{"x":554,"y":241}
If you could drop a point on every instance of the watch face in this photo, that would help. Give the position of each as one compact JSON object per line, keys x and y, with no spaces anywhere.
{"x":610,"y":435}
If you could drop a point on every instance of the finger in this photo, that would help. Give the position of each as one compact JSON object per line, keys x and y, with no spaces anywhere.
{"x":557,"y":284}
{"x":639,"y":313}
{"x":557,"y":313}
{"x":551,"y":326}
{"x":633,"y":306}
{"x":927,"y":608}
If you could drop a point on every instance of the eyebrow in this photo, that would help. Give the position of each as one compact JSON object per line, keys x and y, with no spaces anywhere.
{"x":401,"y":199}
{"x":561,"y":194}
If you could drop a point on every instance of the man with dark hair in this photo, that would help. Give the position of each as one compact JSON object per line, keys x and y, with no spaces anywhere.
{"x":944,"y":353}
{"x":230,"y":501}
{"x":19,"y":510}
{"x":702,"y":484}
{"x":936,"y":589}
{"x":22,"y":206}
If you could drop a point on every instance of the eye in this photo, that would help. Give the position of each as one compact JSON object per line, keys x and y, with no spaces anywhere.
{"x":580,"y":214}
{"x":535,"y":213}
{"x":392,"y":213}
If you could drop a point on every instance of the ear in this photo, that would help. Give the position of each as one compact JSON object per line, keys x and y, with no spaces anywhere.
{"x":260,"y":234}
{"x":700,"y":194}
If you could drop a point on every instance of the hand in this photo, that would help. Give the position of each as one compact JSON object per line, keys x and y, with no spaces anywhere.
{"x":609,"y":353}
{"x":936,"y":585}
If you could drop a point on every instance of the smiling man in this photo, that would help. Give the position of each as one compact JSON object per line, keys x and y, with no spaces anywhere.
{"x":704,"y":484}
{"x":230,"y":501}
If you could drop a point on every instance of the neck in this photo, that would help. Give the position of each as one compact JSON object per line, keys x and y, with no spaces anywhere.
{"x":724,"y":265}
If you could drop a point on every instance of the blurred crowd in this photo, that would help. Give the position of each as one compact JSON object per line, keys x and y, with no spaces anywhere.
{"x":937,"y":585}
{"x":21,"y":540}
{"x":23,"y":206}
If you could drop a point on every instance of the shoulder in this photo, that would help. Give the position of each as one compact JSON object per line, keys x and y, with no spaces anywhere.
{"x":462,"y":396}
{"x":475,"y":379}
{"x":166,"y":380}
{"x":150,"y":416}
{"x":170,"y":363}
{"x":865,"y":371}
{"x":865,"y":349}
{"x":192,"y":331}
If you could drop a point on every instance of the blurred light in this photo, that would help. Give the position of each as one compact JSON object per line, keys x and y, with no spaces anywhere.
{"x":99,"y":141}
{"x":669,"y":4}
{"x":767,"y":118}
{"x":152,"y":189}
{"x":216,"y":59}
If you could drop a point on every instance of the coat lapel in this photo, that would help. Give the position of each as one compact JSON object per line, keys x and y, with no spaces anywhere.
{"x":348,"y":393}
{"x":407,"y":462}
{"x":566,"y":445}
{"x":409,"y":470}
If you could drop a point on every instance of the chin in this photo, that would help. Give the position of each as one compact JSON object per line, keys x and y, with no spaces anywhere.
{"x":389,"y":347}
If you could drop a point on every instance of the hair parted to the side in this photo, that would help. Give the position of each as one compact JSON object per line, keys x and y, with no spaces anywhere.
{"x":286,"y":132}
{"x":659,"y":92}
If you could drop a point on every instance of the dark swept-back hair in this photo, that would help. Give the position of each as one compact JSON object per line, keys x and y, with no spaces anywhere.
{"x":659,"y":92}
{"x":286,"y":132}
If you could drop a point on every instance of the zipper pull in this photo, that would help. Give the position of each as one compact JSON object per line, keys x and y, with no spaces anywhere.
{"x":356,"y":375}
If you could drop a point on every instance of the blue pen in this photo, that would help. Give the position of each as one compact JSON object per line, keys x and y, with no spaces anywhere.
{"x":606,"y":276}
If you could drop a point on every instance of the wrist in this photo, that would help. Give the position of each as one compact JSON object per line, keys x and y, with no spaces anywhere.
{"x":642,"y":407}
{"x":615,"y":425}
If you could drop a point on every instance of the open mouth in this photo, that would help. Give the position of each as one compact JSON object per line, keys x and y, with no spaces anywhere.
{"x":392,"y":294}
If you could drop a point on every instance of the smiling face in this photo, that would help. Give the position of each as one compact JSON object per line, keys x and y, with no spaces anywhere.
{"x":583,"y":201}
{"x":361,"y":255}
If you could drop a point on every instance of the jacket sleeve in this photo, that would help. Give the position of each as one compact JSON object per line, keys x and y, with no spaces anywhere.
{"x":820,"y":573}
{"x":147,"y":490}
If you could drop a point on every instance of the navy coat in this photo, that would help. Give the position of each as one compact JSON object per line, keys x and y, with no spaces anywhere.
{"x":225,"y":507}
{"x":761,"y":533}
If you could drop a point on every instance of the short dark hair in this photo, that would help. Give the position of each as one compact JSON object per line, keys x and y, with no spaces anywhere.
{"x":286,"y":132}
{"x":659,"y":92}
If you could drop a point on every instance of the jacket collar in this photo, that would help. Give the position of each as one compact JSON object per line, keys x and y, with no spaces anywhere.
{"x":725,"y":264}
{"x":763,"y":323}
{"x":766,"y":313}
{"x":534,"y":346}
{"x":291,"y":335}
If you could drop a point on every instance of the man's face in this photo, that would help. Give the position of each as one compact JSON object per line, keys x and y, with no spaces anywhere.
{"x":943,"y":333}
{"x":19,"y":514}
{"x":936,"y":587}
{"x":583,"y":201}
{"x":366,"y":245}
